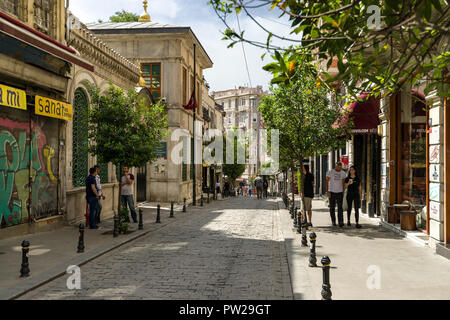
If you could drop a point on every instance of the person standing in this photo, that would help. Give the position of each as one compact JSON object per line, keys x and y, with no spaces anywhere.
{"x":308,"y":192}
{"x":99,"y":191}
{"x":265,"y":187}
{"x":335,"y":192}
{"x":127,"y":192}
{"x":217,"y":188}
{"x":259,"y":187}
{"x":353,"y":185}
{"x":92,"y":198}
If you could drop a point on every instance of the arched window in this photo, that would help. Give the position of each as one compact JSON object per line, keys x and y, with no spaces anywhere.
{"x":80,"y":139}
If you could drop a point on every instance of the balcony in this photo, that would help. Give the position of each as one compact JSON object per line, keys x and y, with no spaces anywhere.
{"x":243,"y":108}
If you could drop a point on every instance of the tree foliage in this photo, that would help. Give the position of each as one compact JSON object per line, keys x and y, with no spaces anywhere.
{"x":233,"y":170}
{"x":124,"y":16}
{"x":409,"y":45}
{"x":122,"y":129}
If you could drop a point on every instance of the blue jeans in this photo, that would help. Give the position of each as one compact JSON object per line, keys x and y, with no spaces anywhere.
{"x":129,"y":199}
{"x":93,"y":204}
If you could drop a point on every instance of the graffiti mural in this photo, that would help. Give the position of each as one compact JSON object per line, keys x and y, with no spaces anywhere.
{"x":23,"y":142}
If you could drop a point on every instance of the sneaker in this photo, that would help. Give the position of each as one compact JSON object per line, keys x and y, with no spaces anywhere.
{"x":334,"y":224}
{"x":341,"y":225}
{"x":309,"y":224}
{"x":358,"y":225}
{"x":349,"y":224}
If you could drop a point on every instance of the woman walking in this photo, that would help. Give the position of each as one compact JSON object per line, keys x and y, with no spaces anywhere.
{"x":353,"y":186}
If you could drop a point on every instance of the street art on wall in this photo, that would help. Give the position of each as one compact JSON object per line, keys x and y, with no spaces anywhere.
{"x":22,"y":142}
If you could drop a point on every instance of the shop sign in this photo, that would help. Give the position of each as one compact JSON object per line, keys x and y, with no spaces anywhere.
{"x":435,"y":135}
{"x":161,"y":150}
{"x":435,"y":154}
{"x":435,"y":191}
{"x":383,"y":169}
{"x":52,"y":108}
{"x":434,"y":172}
{"x":13,"y":98}
{"x":435,"y":210}
{"x":383,"y":183}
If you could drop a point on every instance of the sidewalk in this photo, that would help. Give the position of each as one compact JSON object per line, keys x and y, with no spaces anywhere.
{"x":406,"y":270}
{"x":52,"y":252}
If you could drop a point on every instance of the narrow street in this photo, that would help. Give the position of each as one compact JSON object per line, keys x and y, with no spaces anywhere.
{"x":234,"y":251}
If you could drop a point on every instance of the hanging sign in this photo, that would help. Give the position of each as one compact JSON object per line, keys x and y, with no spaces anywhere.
{"x":52,"y":108}
{"x":13,"y":98}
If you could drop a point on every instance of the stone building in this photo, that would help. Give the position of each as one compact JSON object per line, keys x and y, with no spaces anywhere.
{"x":241,"y":111}
{"x":166,"y":55}
{"x":43,"y":71}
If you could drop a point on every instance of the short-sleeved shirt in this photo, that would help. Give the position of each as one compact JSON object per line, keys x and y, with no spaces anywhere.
{"x":354,"y":187}
{"x":98,"y":185}
{"x":335,"y":183}
{"x":127,"y":189}
{"x":90,"y":180}
{"x":308,"y":189}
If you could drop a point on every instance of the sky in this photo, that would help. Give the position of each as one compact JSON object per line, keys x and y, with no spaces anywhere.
{"x":228,"y":69}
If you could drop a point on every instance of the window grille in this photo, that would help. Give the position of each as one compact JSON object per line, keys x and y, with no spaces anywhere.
{"x":80,"y":139}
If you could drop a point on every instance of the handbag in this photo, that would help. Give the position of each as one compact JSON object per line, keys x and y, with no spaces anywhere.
{"x":344,"y":202}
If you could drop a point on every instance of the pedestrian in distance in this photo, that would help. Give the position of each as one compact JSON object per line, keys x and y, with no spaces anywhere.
{"x":353,"y":186}
{"x":265,"y":187}
{"x":92,"y":198}
{"x":126,"y":193}
{"x":308,"y":192}
{"x":259,"y":187}
{"x":335,"y":184}
{"x":217,"y":188}
{"x":99,"y":191}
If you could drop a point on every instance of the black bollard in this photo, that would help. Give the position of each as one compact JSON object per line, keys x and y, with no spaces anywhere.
{"x":171,"y":210}
{"x":81,"y":238}
{"x":292,"y":212}
{"x":116,"y":226}
{"x":326,"y":287}
{"x":141,"y":222}
{"x":304,"y":240}
{"x":312,"y":252}
{"x":201,"y":200}
{"x":299,"y":223}
{"x":184,"y":204}
{"x":158,"y":214}
{"x":25,"y":270}
{"x":295,"y":217}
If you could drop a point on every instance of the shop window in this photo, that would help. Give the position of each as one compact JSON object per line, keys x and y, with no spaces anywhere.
{"x":152,"y":76}
{"x":184,"y":164}
{"x":80,"y":139}
{"x":413,"y":154}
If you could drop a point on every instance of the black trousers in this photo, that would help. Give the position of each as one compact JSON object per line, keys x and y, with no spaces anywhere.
{"x":353,"y":198}
{"x":337,"y":198}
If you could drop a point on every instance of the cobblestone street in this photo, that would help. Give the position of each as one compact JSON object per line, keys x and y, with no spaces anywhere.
{"x":231,"y":249}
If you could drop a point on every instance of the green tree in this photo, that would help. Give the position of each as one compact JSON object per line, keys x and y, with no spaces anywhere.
{"x":410,"y":42}
{"x":122,"y":129}
{"x":124,"y":16}
{"x":304,"y":118}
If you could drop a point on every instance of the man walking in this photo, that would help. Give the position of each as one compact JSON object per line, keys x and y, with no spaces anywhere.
{"x":92,"y":198}
{"x":308,"y":192}
{"x":99,"y":191}
{"x":259,"y":187}
{"x":127,"y":192}
{"x":265,"y":187}
{"x":335,"y":192}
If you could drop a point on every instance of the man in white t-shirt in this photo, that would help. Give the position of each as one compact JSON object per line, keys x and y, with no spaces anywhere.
{"x":335,"y":191}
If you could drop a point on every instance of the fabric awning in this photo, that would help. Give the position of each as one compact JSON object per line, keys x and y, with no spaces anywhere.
{"x":364,"y":115}
{"x":20,"y":31}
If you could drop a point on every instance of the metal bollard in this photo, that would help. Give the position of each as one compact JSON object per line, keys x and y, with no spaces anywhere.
{"x":184,"y":204}
{"x":299,"y":223}
{"x":292,"y":212}
{"x":312,"y":252}
{"x":116,"y":225}
{"x":326,"y":287}
{"x":141,"y":223}
{"x":158,"y":214}
{"x":171,"y":210}
{"x":25,"y":270}
{"x":201,"y":200}
{"x":295,"y":217}
{"x":81,"y":238}
{"x":304,"y":240}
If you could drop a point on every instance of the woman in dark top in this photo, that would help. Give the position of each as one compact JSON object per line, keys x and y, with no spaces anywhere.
{"x":353,"y":185}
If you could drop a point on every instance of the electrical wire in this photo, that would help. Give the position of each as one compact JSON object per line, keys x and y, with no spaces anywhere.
{"x":243,"y":50}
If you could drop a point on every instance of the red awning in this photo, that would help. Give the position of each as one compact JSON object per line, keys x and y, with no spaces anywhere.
{"x":24,"y":33}
{"x":364,"y":115}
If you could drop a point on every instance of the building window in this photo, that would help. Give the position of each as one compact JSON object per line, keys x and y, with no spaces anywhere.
{"x":152,"y":75}
{"x":42,"y":16}
{"x":229,"y":119}
{"x":80,"y":139}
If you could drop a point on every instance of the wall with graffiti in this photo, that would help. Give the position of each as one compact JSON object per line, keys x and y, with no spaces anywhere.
{"x":27,"y":139}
